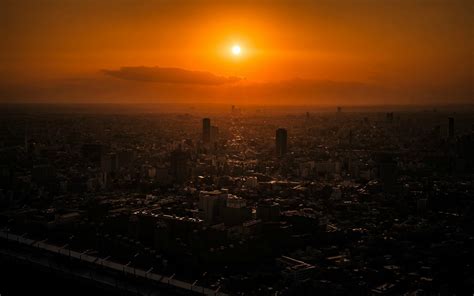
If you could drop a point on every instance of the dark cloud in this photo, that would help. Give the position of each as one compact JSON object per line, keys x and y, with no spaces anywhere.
{"x":169,"y":75}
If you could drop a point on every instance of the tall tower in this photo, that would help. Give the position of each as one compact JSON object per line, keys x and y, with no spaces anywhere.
{"x":206,"y":130}
{"x":26,"y":139}
{"x":281,"y":141}
{"x":178,"y":161}
{"x":451,"y":128}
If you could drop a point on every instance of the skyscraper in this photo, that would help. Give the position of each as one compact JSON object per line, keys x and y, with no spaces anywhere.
{"x":206,"y":130}
{"x":109,"y":162}
{"x":387,"y":169}
{"x":281,"y":141}
{"x":93,"y":152}
{"x":451,"y":127}
{"x":178,"y":169}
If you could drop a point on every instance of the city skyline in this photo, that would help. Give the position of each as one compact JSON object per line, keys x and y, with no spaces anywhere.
{"x":238,"y":147}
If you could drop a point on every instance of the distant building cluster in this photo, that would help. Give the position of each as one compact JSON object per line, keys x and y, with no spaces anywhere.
{"x":244,"y":203}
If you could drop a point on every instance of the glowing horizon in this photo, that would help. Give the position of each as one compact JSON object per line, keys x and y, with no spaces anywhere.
{"x":308,"y":52}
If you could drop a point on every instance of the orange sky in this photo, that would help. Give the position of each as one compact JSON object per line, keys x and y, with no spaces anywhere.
{"x":293,"y":52}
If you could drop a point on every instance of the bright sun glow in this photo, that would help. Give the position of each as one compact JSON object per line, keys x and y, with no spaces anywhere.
{"x":236,"y":49}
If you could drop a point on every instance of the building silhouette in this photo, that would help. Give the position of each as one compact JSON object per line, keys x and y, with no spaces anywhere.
{"x":281,"y":141}
{"x":451,"y":127}
{"x":387,"y":169}
{"x":93,"y":152}
{"x":178,"y":165}
{"x":206,"y":130}
{"x":109,"y":162}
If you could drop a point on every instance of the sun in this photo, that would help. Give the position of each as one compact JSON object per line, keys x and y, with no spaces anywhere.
{"x":236,"y":49}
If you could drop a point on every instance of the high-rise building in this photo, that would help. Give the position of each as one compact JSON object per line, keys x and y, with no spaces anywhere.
{"x":206,"y":130}
{"x":178,"y":169}
{"x":235,"y":211}
{"x":211,"y":204}
{"x":451,"y":127}
{"x":93,"y":152}
{"x":281,"y":141}
{"x":387,"y":169}
{"x":268,"y":212}
{"x":125,"y":158}
{"x":109,"y":162}
{"x":42,"y":174}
